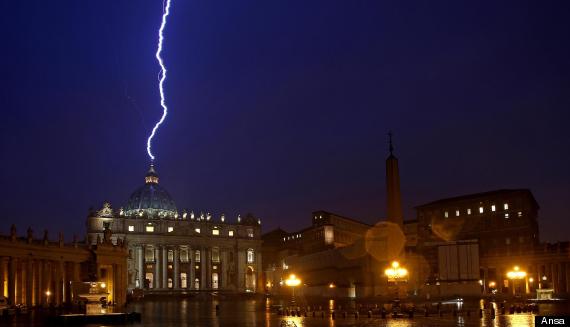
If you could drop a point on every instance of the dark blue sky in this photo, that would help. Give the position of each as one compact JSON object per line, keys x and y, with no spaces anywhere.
{"x":281,"y":108}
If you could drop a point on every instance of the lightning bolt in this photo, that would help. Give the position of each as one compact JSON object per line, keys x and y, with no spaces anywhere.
{"x":161,"y":77}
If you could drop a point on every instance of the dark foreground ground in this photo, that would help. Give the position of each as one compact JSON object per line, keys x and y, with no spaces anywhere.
{"x":201,"y":311}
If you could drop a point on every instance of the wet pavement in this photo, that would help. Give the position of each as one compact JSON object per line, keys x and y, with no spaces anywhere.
{"x":173,"y":311}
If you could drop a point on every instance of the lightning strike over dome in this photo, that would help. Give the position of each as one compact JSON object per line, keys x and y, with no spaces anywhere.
{"x":161,"y":79}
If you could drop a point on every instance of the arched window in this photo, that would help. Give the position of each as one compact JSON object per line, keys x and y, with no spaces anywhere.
{"x":250,"y":256}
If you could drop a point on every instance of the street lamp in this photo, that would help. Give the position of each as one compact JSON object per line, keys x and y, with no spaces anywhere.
{"x":292,"y":282}
{"x":395,"y":273}
{"x":516,"y":274}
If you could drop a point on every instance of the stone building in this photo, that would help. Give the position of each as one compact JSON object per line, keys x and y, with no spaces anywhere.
{"x":40,"y":272}
{"x":172,"y":251}
{"x":503,"y":225}
{"x":463,"y":245}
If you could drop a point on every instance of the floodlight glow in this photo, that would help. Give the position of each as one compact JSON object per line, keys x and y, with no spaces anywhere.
{"x":162,"y":77}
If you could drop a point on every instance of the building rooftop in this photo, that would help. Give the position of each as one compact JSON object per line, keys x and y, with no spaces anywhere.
{"x":476,"y":196}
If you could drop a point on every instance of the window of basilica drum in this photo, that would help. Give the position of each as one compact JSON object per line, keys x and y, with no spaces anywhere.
{"x":250,"y":256}
{"x":183,"y":255}
{"x":149,"y":255}
{"x":215,"y":255}
{"x":197,"y":256}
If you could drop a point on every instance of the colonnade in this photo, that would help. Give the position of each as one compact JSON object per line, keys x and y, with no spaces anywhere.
{"x":34,"y":282}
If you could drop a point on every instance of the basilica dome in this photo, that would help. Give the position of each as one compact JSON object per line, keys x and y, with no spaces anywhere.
{"x":151,"y":200}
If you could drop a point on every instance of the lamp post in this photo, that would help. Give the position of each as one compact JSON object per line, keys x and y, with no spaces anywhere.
{"x":396,"y":273}
{"x":516,"y":274}
{"x":292,"y":282}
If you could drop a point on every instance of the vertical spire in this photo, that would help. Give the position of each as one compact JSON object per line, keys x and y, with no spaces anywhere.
{"x":393,"y":199}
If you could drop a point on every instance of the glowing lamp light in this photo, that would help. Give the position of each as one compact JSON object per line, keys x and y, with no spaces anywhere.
{"x":103,"y":285}
{"x":396,"y":272}
{"x":516,"y":273}
{"x":48,"y":293}
{"x":332,"y":285}
{"x":530,"y":280}
{"x":492,"y":284}
{"x":292,"y":281}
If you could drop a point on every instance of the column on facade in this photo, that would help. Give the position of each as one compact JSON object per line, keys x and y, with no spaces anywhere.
{"x":191,"y":264}
{"x":37,"y":289}
{"x":203,"y":259}
{"x":176,"y":264}
{"x":12,"y":280}
{"x":240,"y":269}
{"x":41,"y":283}
{"x":224,"y":270}
{"x":164,"y":267}
{"x":29,"y":282}
{"x":20,"y":281}
{"x":3,"y":278}
{"x":208,"y":257}
{"x":156,"y":278}
{"x":116,"y":281}
{"x":48,"y":269}
{"x":140,"y":266}
{"x":58,"y":283}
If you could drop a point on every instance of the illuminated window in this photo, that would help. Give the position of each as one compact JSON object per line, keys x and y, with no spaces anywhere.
{"x":231,"y":234}
{"x":506,"y":216}
{"x":170,"y":256}
{"x":149,"y":228}
{"x":493,"y":207}
{"x":519,"y":213}
{"x":469,"y":211}
{"x":131,"y":228}
{"x":170,"y":229}
{"x":481,"y":210}
{"x":446,"y":214}
{"x":183,"y":255}
{"x":506,"y":206}
{"x":183,"y":280}
{"x":329,"y":235}
{"x":250,"y":256}
{"x":197,"y":230}
{"x":215,"y":255}
{"x":149,"y":255}
{"x":457,"y":213}
{"x":197,"y":256}
{"x":249,"y":232}
{"x":215,"y":231}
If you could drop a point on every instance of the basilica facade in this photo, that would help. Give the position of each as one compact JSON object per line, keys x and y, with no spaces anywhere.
{"x":177,"y":252}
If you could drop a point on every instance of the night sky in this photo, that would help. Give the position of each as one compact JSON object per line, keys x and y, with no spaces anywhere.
{"x":281,"y":108}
